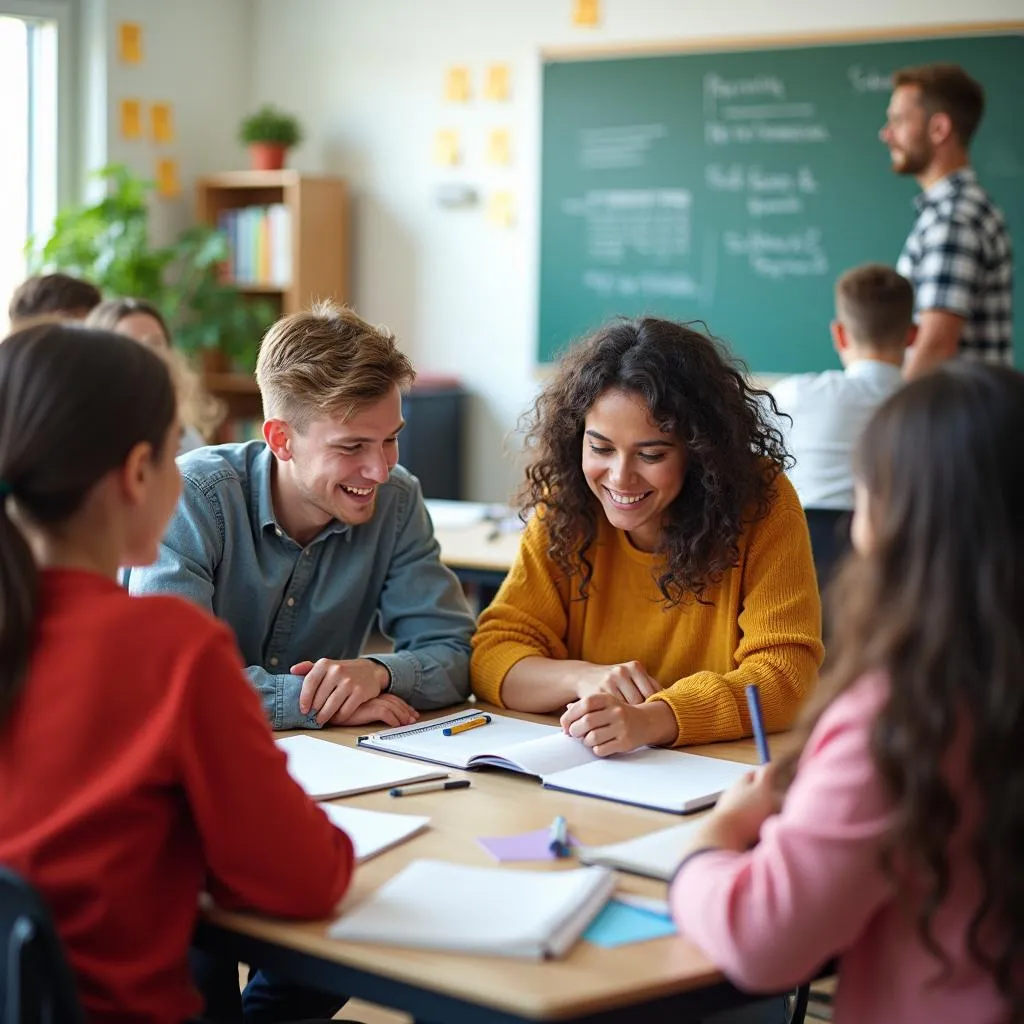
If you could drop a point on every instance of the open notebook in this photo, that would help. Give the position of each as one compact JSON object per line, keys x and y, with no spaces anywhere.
{"x":373,"y":832}
{"x":327,"y":770}
{"x":666,"y":780}
{"x":432,"y":904}
{"x":655,"y":855}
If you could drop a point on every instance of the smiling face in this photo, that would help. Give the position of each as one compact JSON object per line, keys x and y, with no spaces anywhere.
{"x":332,"y":470}
{"x":905,"y":132}
{"x":144,"y":329}
{"x":633,"y":468}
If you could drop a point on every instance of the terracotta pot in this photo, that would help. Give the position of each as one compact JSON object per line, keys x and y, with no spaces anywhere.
{"x":267,"y":156}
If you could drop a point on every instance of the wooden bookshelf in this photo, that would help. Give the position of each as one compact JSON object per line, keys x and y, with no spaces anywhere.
{"x":318,"y":268}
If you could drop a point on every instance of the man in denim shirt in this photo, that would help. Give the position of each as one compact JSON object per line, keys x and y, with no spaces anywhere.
{"x":298,"y":543}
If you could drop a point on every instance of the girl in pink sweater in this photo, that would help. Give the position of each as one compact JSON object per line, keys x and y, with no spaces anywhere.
{"x":894,"y":840}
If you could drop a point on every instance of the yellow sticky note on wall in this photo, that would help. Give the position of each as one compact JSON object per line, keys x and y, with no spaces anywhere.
{"x":167,"y":183}
{"x":586,"y":12}
{"x":456,"y":85}
{"x":496,"y":82}
{"x":161,"y":118}
{"x":129,"y":42}
{"x":446,"y":147}
{"x":499,"y":148}
{"x":131,"y":119}
{"x":501,"y":211}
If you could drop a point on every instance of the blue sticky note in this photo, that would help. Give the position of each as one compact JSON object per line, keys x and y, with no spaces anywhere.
{"x":619,"y":924}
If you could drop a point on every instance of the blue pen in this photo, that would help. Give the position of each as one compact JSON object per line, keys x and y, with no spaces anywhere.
{"x":757,"y":721}
{"x":559,"y":837}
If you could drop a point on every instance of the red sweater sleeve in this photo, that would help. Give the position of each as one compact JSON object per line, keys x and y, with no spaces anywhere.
{"x":268,"y":847}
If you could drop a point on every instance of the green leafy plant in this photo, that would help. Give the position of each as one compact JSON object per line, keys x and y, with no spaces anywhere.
{"x":271,"y":125}
{"x":107,"y":243}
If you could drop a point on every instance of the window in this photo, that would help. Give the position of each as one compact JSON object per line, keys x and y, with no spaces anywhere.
{"x":28,"y":127}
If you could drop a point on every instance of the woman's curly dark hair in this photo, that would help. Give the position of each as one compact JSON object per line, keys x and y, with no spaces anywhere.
{"x":696,"y":391}
{"x":938,"y":604}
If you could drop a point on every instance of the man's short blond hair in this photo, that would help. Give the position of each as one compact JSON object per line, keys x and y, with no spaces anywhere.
{"x":327,"y":361}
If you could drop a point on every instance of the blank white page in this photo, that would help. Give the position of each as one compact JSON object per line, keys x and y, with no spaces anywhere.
{"x":326,"y":770}
{"x":373,"y":832}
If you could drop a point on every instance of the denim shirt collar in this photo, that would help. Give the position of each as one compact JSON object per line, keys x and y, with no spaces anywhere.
{"x":945,"y":188}
{"x":262,"y":504}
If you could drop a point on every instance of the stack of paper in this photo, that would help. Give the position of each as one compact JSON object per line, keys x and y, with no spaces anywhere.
{"x":493,"y":911}
{"x":373,"y":832}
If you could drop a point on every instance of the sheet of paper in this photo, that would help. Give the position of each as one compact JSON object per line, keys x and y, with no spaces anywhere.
{"x":446,"y":147}
{"x":168,"y":184}
{"x":129,"y":42}
{"x":620,"y":924}
{"x":456,"y":85}
{"x":499,"y":148}
{"x":525,"y":846}
{"x":496,"y":83}
{"x":131,"y":119}
{"x":373,"y":832}
{"x":161,"y":118}
{"x":586,"y":13}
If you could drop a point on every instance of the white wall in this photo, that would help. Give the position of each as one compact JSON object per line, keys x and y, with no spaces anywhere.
{"x":366,"y":76}
{"x":197,"y":56}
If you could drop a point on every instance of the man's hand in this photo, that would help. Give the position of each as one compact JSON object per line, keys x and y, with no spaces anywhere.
{"x":338,"y":688}
{"x":628,"y":681}
{"x":609,"y":726}
{"x":387,"y":708}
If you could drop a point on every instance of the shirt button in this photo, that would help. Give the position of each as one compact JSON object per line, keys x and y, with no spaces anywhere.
{"x":291,"y":601}
{"x":279,"y":531}
{"x":305,"y":554}
{"x":273,"y":661}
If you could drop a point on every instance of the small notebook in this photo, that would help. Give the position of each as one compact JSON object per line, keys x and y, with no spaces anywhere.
{"x":655,"y":855}
{"x":666,"y":780}
{"x":373,"y":832}
{"x":327,"y":770}
{"x":431,"y":904}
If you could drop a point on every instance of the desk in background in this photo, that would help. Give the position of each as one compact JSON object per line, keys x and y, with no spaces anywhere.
{"x":660,"y":980}
{"x":478,"y":543}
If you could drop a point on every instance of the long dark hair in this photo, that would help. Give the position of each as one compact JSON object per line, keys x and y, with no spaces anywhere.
{"x":73,"y":404}
{"x":697,"y":391}
{"x":938,"y":604}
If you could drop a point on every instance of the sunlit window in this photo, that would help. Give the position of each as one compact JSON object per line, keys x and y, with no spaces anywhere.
{"x":28,"y":126}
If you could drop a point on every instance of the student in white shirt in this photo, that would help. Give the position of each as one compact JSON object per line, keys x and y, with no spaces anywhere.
{"x":871,"y":332}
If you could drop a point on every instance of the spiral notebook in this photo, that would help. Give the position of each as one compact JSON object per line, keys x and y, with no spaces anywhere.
{"x":431,"y":904}
{"x":655,"y":855}
{"x":665,"y":780}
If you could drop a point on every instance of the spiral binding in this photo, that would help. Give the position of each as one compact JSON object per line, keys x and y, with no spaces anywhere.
{"x":444,"y":723}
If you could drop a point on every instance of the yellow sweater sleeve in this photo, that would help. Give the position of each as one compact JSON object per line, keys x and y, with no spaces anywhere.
{"x":780,"y":645}
{"x":527,"y":618}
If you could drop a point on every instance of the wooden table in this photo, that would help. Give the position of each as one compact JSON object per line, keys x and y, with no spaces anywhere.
{"x":660,"y":980}
{"x":480,"y":554}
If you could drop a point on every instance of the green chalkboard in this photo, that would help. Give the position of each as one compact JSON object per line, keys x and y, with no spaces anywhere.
{"x":733,"y":187}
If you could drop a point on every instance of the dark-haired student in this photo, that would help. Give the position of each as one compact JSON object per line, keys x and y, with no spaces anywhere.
{"x":894,"y":838}
{"x":668,"y":564}
{"x":52,"y":295}
{"x":120,"y":800}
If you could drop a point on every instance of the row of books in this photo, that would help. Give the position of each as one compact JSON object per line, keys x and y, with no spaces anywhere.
{"x":259,"y":244}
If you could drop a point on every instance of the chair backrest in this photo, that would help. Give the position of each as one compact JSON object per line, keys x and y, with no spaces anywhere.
{"x":830,"y":539}
{"x":36,"y":983}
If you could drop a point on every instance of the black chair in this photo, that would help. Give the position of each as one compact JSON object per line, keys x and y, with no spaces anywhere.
{"x":36,"y":984}
{"x":830,"y":539}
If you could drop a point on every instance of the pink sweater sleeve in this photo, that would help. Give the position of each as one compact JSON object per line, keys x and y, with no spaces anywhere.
{"x":771,"y":916}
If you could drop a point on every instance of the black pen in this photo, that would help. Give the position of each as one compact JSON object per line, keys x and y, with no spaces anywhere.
{"x":428,"y":787}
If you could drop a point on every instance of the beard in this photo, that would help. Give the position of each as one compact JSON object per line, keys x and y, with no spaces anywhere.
{"x":911,"y":161}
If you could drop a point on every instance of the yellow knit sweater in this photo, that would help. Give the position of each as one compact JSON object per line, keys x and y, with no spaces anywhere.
{"x":762,"y":624}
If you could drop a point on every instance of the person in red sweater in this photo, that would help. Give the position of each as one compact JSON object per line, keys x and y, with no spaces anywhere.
{"x":136,"y":765}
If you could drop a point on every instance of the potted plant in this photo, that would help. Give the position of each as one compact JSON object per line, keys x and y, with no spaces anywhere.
{"x":108,"y":244}
{"x":269,"y":134}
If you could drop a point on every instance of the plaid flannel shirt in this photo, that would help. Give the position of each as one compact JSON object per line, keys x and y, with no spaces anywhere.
{"x":958,"y":258}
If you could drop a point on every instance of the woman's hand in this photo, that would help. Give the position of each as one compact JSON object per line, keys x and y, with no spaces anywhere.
{"x":609,"y":726}
{"x":628,"y":681}
{"x":735,"y":823}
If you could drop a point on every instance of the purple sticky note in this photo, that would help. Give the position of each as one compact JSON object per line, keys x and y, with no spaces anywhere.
{"x":526,"y":846}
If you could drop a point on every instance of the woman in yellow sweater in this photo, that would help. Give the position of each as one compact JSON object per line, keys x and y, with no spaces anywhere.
{"x":668,"y":564}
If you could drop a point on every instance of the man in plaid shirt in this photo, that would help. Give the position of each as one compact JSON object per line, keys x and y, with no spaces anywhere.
{"x":958,"y":255}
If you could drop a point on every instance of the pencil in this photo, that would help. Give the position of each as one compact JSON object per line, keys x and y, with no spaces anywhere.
{"x":471,"y":723}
